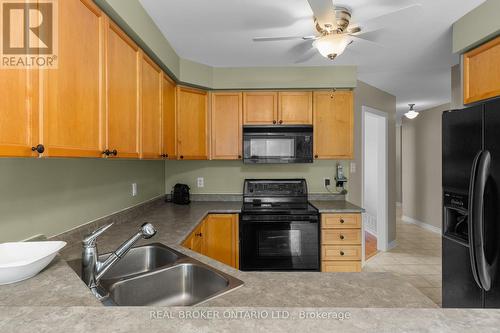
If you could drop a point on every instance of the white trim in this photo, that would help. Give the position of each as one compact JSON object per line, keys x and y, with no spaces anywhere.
{"x":383,"y":216}
{"x":399,"y":204}
{"x":392,"y":245}
{"x":371,"y":232}
{"x":421,"y":224}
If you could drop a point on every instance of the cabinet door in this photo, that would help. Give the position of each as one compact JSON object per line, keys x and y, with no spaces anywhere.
{"x":226,"y":125}
{"x":221,"y":238}
{"x":151,"y":78}
{"x":192,"y":124}
{"x":168,"y":106}
{"x":73,"y":93}
{"x":295,"y":108}
{"x":18,"y":113}
{"x":333,"y":124}
{"x":260,"y":108}
{"x":482,"y":72}
{"x":122,"y":79}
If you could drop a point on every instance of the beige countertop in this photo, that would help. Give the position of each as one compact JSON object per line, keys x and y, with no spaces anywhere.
{"x":65,"y":299}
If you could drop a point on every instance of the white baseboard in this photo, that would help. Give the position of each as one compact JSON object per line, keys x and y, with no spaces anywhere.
{"x":424,"y":225}
{"x":392,"y":245}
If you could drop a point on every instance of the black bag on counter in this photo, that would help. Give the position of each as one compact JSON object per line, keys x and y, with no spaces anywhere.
{"x":180,"y":194}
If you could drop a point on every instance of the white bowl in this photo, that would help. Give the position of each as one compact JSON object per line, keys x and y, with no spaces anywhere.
{"x":22,"y":260}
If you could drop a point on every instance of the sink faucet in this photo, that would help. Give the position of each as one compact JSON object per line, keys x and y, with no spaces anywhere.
{"x":93,"y":269}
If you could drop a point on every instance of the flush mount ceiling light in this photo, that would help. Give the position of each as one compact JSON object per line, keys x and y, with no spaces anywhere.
{"x":411,"y":114}
{"x":331,"y":46}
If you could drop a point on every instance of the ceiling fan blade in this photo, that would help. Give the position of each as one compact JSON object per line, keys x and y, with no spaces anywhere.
{"x":370,"y":35}
{"x":365,"y":40}
{"x":392,"y":12}
{"x":273,"y":39}
{"x":324,"y":11}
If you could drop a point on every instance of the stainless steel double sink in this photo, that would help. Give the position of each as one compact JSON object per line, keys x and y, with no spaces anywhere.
{"x":155,"y":274}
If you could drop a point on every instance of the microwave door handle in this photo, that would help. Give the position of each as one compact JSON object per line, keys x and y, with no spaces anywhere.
{"x":479,"y":176}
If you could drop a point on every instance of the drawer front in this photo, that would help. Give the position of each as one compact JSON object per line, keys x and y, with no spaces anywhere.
{"x":336,"y":252}
{"x":340,"y":221}
{"x":341,"y":266}
{"x":341,"y":236}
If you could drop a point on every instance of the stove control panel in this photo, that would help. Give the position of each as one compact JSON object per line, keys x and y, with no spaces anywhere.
{"x":275,"y":187}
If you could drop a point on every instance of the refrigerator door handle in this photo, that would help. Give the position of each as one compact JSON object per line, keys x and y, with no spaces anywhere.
{"x":479,"y":175}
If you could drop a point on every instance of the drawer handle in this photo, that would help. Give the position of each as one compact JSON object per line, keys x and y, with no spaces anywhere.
{"x":342,"y":253}
{"x":342,"y":221}
{"x":341,"y":236}
{"x":198,"y":234}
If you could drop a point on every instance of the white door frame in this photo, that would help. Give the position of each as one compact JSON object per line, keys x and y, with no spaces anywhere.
{"x":382,"y":214}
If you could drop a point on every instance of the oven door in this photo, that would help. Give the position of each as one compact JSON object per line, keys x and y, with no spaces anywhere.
{"x":274,"y":246}
{"x":264,"y":144}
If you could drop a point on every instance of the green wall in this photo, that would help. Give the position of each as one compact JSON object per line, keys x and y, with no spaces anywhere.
{"x":227,"y":176}
{"x":477,"y":26}
{"x":50,"y":196}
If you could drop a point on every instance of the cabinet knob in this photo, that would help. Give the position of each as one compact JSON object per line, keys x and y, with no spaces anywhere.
{"x":182,"y":157}
{"x":341,"y":236}
{"x":342,"y":221}
{"x":166,"y":155}
{"x":39,"y":149}
{"x":108,"y":152}
{"x":315,"y":156}
{"x":342,"y":253}
{"x":199,"y":234}
{"x":280,"y":122}
{"x":274,"y":121}
{"x":239,"y":157}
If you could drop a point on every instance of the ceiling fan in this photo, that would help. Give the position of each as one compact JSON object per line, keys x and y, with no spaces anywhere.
{"x":334,"y":27}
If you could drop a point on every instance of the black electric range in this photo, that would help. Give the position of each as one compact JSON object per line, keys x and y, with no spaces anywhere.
{"x":279,"y":229}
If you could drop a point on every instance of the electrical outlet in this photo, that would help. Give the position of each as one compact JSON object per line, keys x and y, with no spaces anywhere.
{"x":200,"y":182}
{"x":327,"y":181}
{"x":134,"y":189}
{"x":353,"y":167}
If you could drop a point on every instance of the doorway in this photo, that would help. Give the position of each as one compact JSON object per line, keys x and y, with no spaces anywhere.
{"x":374,"y":127}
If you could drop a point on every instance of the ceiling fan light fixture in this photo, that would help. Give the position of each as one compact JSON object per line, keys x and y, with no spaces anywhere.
{"x":411,"y":114}
{"x":331,"y":46}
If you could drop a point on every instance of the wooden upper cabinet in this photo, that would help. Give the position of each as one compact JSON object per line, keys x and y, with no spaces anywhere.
{"x":220,"y":238}
{"x":73,"y":94}
{"x":481,"y":72}
{"x":18,"y":113}
{"x":192,"y":124}
{"x":260,"y":108}
{"x":295,"y":108}
{"x":151,"y":111}
{"x":333,"y":115}
{"x":122,"y":107}
{"x":226,"y":111}
{"x":168,"y":106}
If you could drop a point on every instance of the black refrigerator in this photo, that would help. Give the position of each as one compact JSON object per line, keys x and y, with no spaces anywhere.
{"x":471,"y":206}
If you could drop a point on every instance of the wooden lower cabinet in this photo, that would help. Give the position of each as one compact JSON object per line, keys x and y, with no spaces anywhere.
{"x":341,"y":243}
{"x":216,"y":237}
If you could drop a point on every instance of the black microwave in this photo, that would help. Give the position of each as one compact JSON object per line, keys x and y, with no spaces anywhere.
{"x":278,"y":144}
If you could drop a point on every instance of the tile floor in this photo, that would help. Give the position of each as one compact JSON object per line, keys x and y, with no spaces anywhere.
{"x":416,"y":258}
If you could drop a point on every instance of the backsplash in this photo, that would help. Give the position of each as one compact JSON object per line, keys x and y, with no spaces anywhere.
{"x":226,"y":177}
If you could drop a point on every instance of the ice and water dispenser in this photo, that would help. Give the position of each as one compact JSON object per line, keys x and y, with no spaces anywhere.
{"x":455,"y":222}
